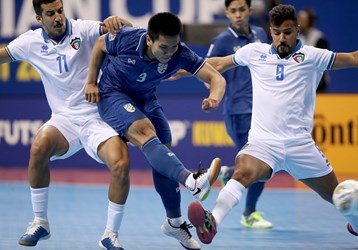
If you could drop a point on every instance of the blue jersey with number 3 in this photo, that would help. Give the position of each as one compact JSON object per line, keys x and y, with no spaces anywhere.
{"x":130,"y":71}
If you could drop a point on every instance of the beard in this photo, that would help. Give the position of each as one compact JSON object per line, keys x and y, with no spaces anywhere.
{"x":283,"y":50}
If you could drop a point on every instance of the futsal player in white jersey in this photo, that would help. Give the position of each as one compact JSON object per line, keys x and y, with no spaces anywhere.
{"x":60,"y":51}
{"x":285,"y":76}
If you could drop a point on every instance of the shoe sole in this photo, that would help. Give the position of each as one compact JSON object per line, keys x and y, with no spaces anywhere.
{"x":215,"y":170}
{"x":103,"y":247}
{"x":214,"y":174}
{"x":196,"y":215}
{"x":254,"y":227}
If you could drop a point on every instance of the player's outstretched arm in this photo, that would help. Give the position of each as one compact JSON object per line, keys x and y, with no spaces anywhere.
{"x":4,"y":56}
{"x":217,"y":86}
{"x":346,"y":60}
{"x":222,"y":64}
{"x":97,"y":57}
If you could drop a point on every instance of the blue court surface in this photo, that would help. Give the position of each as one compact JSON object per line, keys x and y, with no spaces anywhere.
{"x":77,"y":214}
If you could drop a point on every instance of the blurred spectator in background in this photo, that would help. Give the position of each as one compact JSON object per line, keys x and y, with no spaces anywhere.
{"x":309,"y":35}
{"x":238,"y":96}
{"x":260,"y":10}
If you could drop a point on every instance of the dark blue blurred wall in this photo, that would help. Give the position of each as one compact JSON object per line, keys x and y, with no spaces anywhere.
{"x":338,"y":20}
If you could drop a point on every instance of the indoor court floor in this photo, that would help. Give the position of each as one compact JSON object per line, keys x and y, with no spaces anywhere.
{"x":77,"y":214}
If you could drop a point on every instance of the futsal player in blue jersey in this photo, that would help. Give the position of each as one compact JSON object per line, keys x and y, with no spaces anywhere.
{"x":238,"y":96}
{"x":60,"y":51}
{"x":138,"y":60}
{"x":285,"y":76}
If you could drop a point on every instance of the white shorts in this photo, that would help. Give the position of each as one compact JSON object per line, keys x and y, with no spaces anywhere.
{"x":300,"y":157}
{"x":88,"y":135}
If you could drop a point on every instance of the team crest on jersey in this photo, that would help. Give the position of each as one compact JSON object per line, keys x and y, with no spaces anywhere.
{"x":76,"y":43}
{"x":162,"y":67}
{"x":298,"y":57}
{"x":129,"y":107}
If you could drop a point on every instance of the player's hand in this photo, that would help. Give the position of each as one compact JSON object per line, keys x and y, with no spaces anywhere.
{"x":92,"y":93}
{"x":113,"y":24}
{"x":209,"y":104}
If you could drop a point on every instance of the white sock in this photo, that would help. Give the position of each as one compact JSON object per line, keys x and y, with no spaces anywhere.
{"x":176,"y":222}
{"x":228,"y":197}
{"x":39,"y":201}
{"x":114,"y":216}
{"x":190,"y":182}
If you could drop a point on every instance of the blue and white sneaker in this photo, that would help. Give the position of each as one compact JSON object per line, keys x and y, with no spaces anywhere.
{"x":38,"y":230}
{"x":110,"y":241}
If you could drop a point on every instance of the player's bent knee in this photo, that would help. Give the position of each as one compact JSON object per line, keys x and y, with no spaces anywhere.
{"x":120,"y":168}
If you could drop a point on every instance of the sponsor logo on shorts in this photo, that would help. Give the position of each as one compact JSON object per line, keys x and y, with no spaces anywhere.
{"x":129,"y":107}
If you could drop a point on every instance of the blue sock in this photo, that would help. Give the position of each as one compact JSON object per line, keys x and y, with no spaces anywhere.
{"x":164,"y":161}
{"x":253,"y":193}
{"x":169,"y":193}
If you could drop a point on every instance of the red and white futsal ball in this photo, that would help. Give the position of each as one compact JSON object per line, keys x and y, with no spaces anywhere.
{"x":345,"y":197}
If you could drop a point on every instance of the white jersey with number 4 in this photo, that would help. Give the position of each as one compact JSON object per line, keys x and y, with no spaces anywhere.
{"x":284,"y":90}
{"x":63,"y":66}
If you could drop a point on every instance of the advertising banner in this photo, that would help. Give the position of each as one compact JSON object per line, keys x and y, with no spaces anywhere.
{"x":197,"y":136}
{"x":336,"y":131}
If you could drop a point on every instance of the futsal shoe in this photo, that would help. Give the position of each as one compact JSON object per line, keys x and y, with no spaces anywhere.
{"x":182,"y":234}
{"x":110,"y":241}
{"x":203,"y":221}
{"x":351,"y":230}
{"x":204,"y":179}
{"x":38,"y":230}
{"x":255,"y":221}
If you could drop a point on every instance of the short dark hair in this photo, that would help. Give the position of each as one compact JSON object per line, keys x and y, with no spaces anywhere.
{"x":164,"y":23}
{"x":37,"y":5}
{"x":228,"y":2}
{"x":281,"y":13}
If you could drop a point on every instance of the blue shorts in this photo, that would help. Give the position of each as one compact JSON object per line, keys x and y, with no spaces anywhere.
{"x":237,"y":127}
{"x":120,"y":111}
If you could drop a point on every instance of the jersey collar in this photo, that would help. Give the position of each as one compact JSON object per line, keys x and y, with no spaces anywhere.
{"x":68,"y":32}
{"x":237,"y":34}
{"x":298,"y":47}
{"x":142,"y":46}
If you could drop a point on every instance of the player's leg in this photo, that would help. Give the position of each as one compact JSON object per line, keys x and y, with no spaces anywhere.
{"x":307,"y":163}
{"x":48,"y":142}
{"x":238,"y":127}
{"x":104,"y":145}
{"x":325,"y":186}
{"x":174,"y":225}
{"x":248,"y":169}
{"x":127,"y":119}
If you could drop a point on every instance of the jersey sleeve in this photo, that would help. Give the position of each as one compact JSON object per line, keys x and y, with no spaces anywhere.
{"x":191,"y":61}
{"x":242,"y":55}
{"x":323,"y":58}
{"x":92,"y":29}
{"x":18,"y":49}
